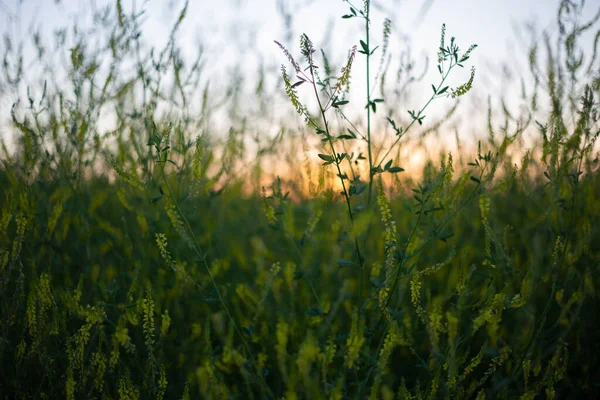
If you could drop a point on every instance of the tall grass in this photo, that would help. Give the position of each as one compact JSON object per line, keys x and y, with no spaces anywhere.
{"x":154,"y":261}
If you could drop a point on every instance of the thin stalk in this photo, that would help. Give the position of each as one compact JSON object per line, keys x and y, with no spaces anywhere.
{"x":369,"y":146}
{"x":420,"y":248}
{"x":444,"y":77}
{"x":356,"y":130}
{"x":346,"y":196}
{"x":452,"y":215}
{"x":396,"y":273}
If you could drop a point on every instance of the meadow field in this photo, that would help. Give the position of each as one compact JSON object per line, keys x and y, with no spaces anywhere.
{"x":146,"y":253}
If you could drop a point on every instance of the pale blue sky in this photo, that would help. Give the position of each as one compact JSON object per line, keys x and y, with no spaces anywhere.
{"x":256,"y":23}
{"x":242,"y":31}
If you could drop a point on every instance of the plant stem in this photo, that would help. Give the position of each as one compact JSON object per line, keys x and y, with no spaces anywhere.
{"x":418,"y":114}
{"x":369,"y":146}
{"x":346,"y":196}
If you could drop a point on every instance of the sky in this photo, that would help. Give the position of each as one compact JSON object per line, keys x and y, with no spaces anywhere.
{"x":254,"y":24}
{"x":241,"y":32}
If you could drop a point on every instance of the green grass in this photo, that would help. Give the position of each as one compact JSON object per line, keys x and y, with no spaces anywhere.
{"x":149,"y":262}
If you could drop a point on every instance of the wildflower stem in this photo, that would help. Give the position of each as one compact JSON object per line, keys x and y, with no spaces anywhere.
{"x":401,"y":264}
{"x":387,"y":153}
{"x":422,"y":246}
{"x":456,"y":211}
{"x":369,"y":144}
{"x":346,"y":196}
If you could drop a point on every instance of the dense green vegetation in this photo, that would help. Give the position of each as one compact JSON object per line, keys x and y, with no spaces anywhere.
{"x":154,"y":261}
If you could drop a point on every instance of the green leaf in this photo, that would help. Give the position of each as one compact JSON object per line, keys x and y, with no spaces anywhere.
{"x":352,"y":134}
{"x":364,"y":46}
{"x":475,"y":179}
{"x":444,"y":236}
{"x":326,"y":157}
{"x":249,"y":330}
{"x":155,"y":199}
{"x":376,"y":170}
{"x":360,"y":189}
{"x":393,"y":170}
{"x":388,"y":165}
{"x":344,"y":262}
{"x":336,"y":104}
{"x":315,"y":312}
{"x":443,"y":90}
